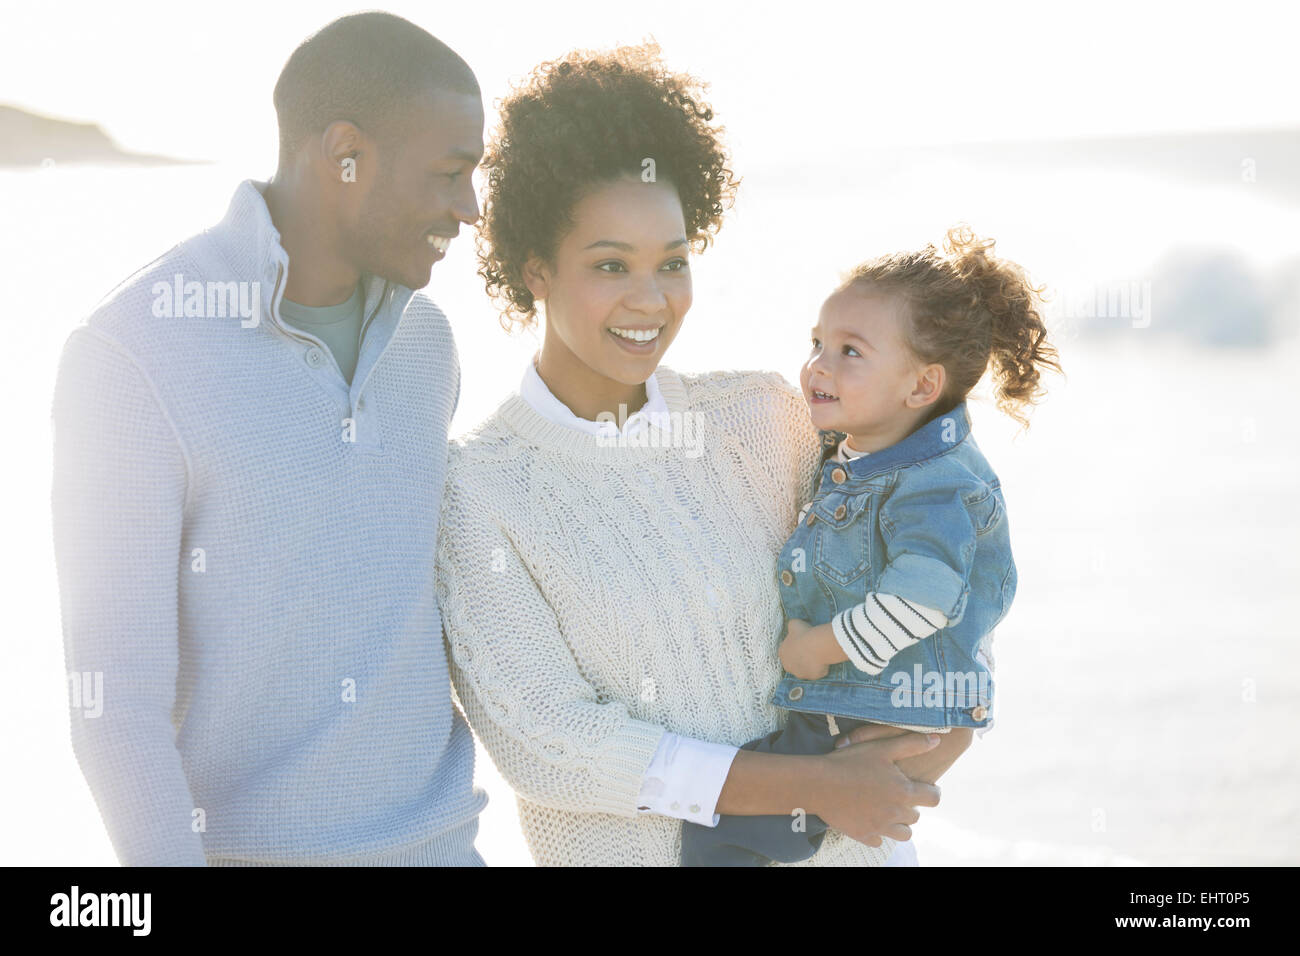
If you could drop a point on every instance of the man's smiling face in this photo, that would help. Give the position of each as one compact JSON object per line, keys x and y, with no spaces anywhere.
{"x":415,"y":189}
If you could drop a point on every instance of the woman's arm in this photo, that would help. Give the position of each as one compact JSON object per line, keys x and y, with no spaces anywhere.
{"x":857,"y":789}
{"x":559,"y":744}
{"x":555,"y":739}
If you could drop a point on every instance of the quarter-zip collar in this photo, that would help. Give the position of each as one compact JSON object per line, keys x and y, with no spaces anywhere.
{"x":250,"y":244}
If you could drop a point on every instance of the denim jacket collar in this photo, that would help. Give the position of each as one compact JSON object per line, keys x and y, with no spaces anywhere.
{"x":936,"y":437}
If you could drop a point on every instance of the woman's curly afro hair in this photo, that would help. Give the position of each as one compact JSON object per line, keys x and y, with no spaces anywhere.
{"x":577,"y":123}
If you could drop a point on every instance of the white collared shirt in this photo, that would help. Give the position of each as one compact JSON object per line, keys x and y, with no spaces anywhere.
{"x":655,"y":411}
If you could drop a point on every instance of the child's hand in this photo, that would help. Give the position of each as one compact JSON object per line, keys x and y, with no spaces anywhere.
{"x":800,"y":652}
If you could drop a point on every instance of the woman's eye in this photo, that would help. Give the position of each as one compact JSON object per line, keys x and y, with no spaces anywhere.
{"x":617,"y":266}
{"x":675,"y":265}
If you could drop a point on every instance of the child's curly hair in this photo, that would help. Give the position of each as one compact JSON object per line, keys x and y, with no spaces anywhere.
{"x":579,"y":122}
{"x":966,"y":309}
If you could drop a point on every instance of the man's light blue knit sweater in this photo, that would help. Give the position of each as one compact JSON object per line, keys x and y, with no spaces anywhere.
{"x":245,"y":549}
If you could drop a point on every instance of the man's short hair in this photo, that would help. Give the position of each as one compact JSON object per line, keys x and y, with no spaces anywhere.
{"x":364,"y":69}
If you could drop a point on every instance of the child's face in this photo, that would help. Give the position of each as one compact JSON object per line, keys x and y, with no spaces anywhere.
{"x":860,"y":374}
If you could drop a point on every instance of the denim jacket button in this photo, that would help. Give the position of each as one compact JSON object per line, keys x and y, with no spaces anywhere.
{"x":787,"y":578}
{"x":840,"y":512}
{"x":979,"y":713}
{"x":796,"y":693}
{"x":811,"y":519}
{"x":838,"y":475}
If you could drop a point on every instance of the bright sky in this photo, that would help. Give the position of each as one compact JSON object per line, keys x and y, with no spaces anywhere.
{"x":790,"y":80}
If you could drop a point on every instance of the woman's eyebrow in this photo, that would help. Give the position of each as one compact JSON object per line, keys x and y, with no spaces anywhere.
{"x":627,"y":247}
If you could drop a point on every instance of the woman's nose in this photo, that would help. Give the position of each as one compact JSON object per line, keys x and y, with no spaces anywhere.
{"x":646,"y":296}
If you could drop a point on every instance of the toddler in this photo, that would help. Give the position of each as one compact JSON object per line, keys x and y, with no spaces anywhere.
{"x":900,"y":566}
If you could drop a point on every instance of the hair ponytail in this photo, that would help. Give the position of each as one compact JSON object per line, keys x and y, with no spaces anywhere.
{"x":1019,"y":349}
{"x":967,"y":310}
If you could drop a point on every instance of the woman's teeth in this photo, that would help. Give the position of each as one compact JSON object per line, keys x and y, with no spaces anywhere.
{"x":638,"y":335}
{"x":440,"y":243}
{"x":817,"y":394}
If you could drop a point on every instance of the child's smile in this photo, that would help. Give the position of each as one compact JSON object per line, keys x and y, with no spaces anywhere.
{"x":861,"y":377}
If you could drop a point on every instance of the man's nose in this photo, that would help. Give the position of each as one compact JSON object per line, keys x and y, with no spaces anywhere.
{"x":466,"y":208}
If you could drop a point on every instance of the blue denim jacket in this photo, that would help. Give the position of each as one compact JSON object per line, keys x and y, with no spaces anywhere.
{"x":925,"y":520}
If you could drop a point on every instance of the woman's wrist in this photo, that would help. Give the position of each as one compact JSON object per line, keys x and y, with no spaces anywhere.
{"x":772,"y":784}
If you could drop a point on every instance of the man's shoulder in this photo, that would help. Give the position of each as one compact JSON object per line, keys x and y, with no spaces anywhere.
{"x":150,"y":303}
{"x":428,"y":310}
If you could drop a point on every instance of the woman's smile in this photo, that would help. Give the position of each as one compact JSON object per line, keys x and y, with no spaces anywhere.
{"x":638,"y":341}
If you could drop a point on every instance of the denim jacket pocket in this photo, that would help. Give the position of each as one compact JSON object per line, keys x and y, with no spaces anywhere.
{"x":842,"y":536}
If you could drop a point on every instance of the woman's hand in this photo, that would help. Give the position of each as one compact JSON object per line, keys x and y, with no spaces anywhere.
{"x":927,"y":767}
{"x":863,"y":791}
{"x":858,"y":790}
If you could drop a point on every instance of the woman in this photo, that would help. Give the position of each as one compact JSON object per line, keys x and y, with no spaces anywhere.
{"x":607,"y":552}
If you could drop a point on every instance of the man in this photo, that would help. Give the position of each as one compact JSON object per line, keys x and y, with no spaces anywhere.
{"x":250,"y":437}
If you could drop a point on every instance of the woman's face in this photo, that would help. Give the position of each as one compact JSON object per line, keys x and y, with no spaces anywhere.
{"x":620,"y":285}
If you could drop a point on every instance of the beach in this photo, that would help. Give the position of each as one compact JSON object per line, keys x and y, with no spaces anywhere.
{"x":1146,"y":672}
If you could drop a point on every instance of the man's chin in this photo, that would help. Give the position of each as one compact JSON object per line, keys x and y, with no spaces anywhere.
{"x":414,"y":279}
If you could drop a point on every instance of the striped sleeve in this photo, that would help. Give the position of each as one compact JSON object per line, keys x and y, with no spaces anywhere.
{"x":874,"y":631}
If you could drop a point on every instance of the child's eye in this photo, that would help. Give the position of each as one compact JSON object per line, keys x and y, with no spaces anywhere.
{"x":850,"y":350}
{"x":816,"y":343}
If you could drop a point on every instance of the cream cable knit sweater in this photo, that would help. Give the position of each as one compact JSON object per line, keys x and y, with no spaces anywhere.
{"x":594,"y":597}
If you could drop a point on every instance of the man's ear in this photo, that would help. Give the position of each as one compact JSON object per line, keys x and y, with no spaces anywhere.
{"x":537,"y":276}
{"x":930,"y":381}
{"x":342,"y":148}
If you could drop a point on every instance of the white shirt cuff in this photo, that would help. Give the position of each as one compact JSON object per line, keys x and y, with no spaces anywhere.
{"x":685,"y":779}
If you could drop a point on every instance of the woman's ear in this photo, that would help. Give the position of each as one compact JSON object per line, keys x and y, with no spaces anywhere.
{"x":537,"y":276}
{"x":930,"y":381}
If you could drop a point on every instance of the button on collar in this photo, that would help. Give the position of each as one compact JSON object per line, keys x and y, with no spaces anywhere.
{"x":839,"y":475}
